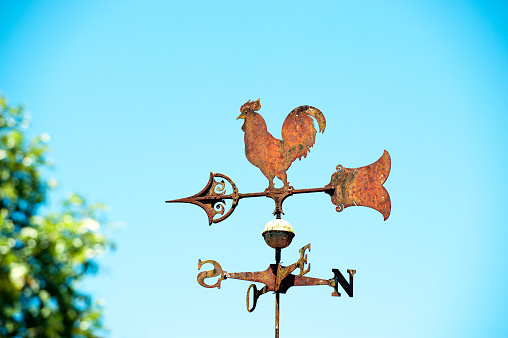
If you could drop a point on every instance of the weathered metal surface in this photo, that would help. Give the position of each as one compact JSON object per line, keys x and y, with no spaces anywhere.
{"x":271,"y":155}
{"x":363,"y":186}
{"x":348,"y":187}
{"x":212,"y":198}
{"x":217,"y":271}
{"x":277,"y":278}
{"x":278,"y":239}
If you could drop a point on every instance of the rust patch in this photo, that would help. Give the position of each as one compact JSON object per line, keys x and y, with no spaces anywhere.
{"x":363,"y":186}
{"x":271,"y":155}
{"x":276,"y":278}
{"x":348,"y":187}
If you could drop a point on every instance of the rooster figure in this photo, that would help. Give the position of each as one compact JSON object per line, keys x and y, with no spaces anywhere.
{"x":273,"y":156}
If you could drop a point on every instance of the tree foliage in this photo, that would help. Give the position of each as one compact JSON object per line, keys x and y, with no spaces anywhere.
{"x":43,"y":258}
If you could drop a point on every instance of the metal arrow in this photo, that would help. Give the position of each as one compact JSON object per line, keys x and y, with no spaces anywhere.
{"x":348,"y":187}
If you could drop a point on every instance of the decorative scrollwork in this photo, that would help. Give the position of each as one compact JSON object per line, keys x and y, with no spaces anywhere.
{"x":218,"y":188}
{"x":234,"y":196}
{"x":219,"y":207}
{"x":212,"y":198}
{"x":339,"y":167}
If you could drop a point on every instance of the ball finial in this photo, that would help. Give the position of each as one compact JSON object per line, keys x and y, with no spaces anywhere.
{"x":278,"y":234}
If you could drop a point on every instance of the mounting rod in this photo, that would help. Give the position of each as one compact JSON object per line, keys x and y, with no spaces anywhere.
{"x":277,"y":296}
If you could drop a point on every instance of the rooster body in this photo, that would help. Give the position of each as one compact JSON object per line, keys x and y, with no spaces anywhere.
{"x":273,"y":156}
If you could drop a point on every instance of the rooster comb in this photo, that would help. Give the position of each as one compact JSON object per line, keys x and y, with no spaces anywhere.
{"x":252,"y":106}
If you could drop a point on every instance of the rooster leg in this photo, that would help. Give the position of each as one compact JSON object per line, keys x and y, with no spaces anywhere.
{"x":271,"y":185}
{"x":270,"y":180}
{"x":284,"y":178}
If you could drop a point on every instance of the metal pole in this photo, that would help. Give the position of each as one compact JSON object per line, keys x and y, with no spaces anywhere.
{"x":276,"y":315}
{"x":277,"y":295}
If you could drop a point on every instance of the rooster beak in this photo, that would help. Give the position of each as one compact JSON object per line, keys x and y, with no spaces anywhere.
{"x":241,"y":116}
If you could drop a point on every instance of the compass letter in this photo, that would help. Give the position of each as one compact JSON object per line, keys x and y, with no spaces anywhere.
{"x":339,"y":279}
{"x":303,"y":260}
{"x":217,"y":270}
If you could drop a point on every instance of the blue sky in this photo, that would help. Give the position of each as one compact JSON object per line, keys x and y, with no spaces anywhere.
{"x":141,"y":98}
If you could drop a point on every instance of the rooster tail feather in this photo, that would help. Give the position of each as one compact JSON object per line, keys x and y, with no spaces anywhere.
{"x":299,"y":133}
{"x":318,"y":115}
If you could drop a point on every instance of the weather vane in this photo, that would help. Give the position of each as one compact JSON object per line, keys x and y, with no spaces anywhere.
{"x":348,"y":187}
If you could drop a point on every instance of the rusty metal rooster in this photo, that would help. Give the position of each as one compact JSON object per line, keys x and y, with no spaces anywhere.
{"x":273,"y":156}
{"x":348,"y":187}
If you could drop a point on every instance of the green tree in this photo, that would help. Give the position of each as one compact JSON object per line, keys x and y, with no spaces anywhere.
{"x":43,"y":258}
